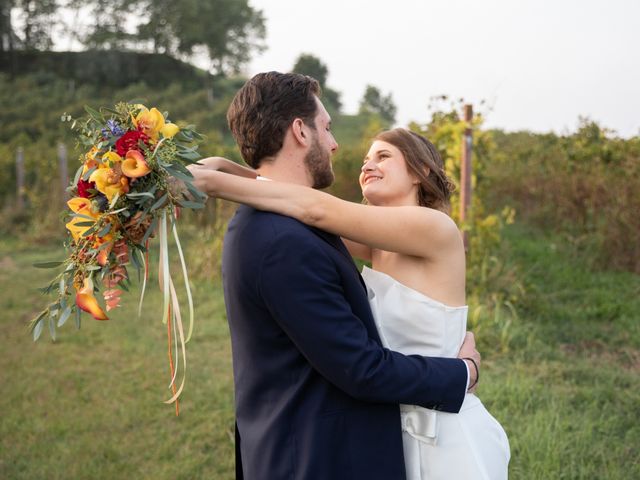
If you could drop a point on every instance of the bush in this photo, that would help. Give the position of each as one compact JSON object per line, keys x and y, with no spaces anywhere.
{"x":585,"y":186}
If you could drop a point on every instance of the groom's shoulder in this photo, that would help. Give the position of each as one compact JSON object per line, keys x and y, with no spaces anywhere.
{"x":268,"y":225}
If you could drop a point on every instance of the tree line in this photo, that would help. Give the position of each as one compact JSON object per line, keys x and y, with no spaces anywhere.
{"x":227,"y":32}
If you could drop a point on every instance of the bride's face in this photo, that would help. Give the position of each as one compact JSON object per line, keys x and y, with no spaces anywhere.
{"x":385,"y":178}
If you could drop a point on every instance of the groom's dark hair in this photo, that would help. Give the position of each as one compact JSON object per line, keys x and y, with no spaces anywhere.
{"x":265,"y":107}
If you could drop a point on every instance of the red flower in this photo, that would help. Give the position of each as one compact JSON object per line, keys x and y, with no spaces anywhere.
{"x":129,"y":141}
{"x":83,"y":188}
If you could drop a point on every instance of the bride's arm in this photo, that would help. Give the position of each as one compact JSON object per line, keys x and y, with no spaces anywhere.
{"x":409,"y":230}
{"x":224,"y":165}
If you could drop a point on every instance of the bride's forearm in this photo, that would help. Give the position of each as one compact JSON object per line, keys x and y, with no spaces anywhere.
{"x":227,"y":166}
{"x":302,"y":203}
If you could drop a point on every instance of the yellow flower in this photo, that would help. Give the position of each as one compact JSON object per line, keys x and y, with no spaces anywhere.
{"x":110,"y":181}
{"x":151,"y":122}
{"x":110,"y":158}
{"x":169,"y":130}
{"x":82,"y":206}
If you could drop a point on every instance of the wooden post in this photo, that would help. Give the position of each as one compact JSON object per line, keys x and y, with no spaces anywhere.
{"x":20,"y":191}
{"x":465,"y":170}
{"x":63,"y":169}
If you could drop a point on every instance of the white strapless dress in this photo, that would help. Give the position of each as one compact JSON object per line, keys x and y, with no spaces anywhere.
{"x":470,"y":444}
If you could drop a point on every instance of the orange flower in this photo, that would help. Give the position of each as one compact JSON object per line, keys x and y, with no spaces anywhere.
{"x":134,"y":165}
{"x":87,"y":302}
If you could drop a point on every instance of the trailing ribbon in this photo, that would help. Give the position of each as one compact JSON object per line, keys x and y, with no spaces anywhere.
{"x":171,"y":308}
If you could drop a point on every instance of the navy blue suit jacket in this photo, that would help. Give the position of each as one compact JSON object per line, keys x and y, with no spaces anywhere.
{"x":316,"y":394}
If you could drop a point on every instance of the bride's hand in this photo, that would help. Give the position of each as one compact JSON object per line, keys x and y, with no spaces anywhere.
{"x":212,"y":163}
{"x":224,"y":165}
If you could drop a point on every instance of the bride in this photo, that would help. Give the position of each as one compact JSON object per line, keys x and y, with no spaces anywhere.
{"x":416,"y":283}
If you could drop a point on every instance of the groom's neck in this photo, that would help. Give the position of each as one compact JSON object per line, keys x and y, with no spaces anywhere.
{"x":286,"y":168}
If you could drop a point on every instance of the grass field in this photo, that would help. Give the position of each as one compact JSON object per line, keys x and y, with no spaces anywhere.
{"x":90,"y":405}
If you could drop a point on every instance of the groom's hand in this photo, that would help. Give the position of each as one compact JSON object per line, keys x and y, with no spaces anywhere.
{"x":468,"y":351}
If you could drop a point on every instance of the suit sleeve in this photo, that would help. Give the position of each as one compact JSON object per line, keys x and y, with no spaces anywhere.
{"x":302,"y":288}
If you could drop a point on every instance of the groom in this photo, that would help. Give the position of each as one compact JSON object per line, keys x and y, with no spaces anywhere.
{"x":316,"y":394}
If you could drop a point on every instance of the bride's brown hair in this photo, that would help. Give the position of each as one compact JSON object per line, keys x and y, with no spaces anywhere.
{"x":424,"y":161}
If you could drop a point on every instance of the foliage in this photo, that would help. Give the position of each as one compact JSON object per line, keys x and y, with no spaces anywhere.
{"x":375,"y":103}
{"x":308,"y":64}
{"x":584,"y":185}
{"x":492,"y":282}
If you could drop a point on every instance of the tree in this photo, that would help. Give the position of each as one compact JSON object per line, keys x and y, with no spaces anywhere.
{"x":228,"y":31}
{"x":311,"y":65}
{"x":37,"y":18}
{"x":109,"y":28}
{"x":308,"y":64}
{"x":373,"y":102}
{"x":7,"y":34}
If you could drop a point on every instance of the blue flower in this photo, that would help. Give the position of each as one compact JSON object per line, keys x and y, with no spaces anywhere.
{"x":115,"y":129}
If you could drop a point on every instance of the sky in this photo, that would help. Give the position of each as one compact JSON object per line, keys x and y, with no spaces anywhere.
{"x":538,"y":65}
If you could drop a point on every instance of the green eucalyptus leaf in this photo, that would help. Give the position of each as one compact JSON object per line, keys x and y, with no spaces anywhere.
{"x":134,"y":258}
{"x":64,"y":316}
{"x":110,"y":110}
{"x":148,"y":233}
{"x":161,"y":201}
{"x":89,"y":232}
{"x":47,"y":264}
{"x":188,"y":154}
{"x":86,"y":176}
{"x":179,"y":175}
{"x":196,"y":193}
{"x":106,"y":229}
{"x":97,"y":116}
{"x":37,"y":330}
{"x":76,"y":178}
{"x":190,"y":204}
{"x":78,"y":315}
{"x":52,"y":328}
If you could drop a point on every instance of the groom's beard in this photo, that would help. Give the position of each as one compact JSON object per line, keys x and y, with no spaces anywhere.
{"x":318,"y":163}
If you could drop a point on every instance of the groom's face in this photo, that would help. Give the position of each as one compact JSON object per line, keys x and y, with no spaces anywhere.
{"x":323,"y":145}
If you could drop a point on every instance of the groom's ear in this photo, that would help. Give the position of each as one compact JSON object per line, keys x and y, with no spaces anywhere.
{"x":300,"y":132}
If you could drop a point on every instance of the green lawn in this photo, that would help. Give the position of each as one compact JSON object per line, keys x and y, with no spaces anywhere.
{"x":90,"y":405}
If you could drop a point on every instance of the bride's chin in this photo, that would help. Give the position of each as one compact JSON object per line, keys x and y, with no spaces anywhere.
{"x":371,"y":199}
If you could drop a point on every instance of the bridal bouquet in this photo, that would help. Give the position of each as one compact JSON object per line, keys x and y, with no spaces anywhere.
{"x":122,"y":195}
